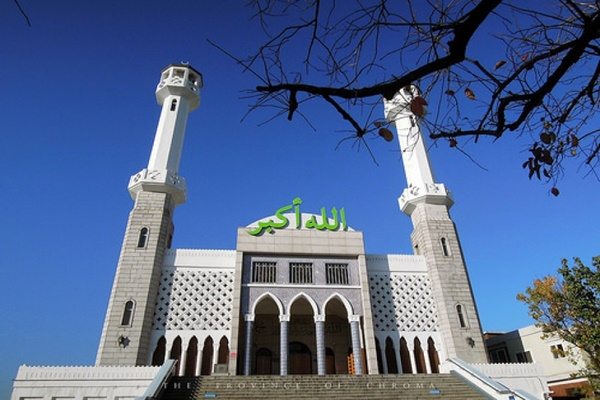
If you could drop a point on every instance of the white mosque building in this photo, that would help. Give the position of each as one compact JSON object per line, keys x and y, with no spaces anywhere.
{"x":299,"y":294}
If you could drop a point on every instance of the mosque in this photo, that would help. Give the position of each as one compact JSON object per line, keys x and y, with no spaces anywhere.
{"x":299,"y":294}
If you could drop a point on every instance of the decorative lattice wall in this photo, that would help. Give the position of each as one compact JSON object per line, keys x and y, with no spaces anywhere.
{"x":194,"y":299}
{"x":402,"y":302}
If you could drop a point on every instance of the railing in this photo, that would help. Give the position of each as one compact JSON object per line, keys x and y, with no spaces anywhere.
{"x":159,"y":382}
{"x":492,"y":387}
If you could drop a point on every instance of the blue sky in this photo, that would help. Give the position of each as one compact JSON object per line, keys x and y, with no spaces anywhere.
{"x":78,"y":118}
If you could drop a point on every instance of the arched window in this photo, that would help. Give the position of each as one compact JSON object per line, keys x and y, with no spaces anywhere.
{"x":461,"y":316}
{"x":445,"y":248}
{"x":174,"y":105}
{"x":143,"y":238}
{"x":128,"y":313}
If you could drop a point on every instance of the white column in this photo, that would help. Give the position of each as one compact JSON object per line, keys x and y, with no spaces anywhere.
{"x":427,"y":362}
{"x":168,"y":344}
{"x":398,"y":357}
{"x":249,"y":318}
{"x":284,"y":321}
{"x":355,"y":334}
{"x":215,"y":358}
{"x":320,"y":339}
{"x":198,"y":369}
{"x":182,"y":359}
{"x":411,"y":353}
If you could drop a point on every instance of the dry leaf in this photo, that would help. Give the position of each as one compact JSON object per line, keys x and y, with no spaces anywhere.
{"x":499,"y":64}
{"x":418,"y":106}
{"x":386,"y":134}
{"x":554,"y":191}
{"x":470,"y":94}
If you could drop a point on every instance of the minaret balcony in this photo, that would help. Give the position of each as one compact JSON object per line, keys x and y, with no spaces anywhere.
{"x":431,"y":193}
{"x":180,"y":80}
{"x":162,"y":181}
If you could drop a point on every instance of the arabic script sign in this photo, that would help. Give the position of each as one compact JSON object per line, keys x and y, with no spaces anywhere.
{"x":337,"y":220}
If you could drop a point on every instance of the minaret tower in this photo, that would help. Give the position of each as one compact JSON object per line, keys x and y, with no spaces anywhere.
{"x":435,"y":237}
{"x":156,"y":191}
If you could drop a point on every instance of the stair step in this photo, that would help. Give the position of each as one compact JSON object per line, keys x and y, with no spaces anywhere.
{"x":263,"y":387}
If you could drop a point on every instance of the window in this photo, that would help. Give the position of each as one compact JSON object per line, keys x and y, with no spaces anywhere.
{"x":524,"y":357}
{"x":128,"y":313}
{"x":173,"y":104}
{"x":461,"y":317}
{"x":301,"y":273}
{"x":558,"y":351}
{"x":336,"y":274}
{"x":264,"y":272}
{"x":143,"y":238}
{"x":445,"y":248}
{"x":499,"y":356}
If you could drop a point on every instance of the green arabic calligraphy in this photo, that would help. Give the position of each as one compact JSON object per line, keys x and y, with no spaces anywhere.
{"x":282,"y":221}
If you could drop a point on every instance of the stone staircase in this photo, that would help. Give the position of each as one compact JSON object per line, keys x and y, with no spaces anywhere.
{"x":333,"y":387}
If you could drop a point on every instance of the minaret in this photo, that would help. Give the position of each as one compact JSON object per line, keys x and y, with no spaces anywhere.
{"x":435,"y":237}
{"x":156,"y":191}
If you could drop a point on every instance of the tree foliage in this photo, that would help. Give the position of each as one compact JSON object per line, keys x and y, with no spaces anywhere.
{"x":568,"y":306}
{"x":488,"y":67}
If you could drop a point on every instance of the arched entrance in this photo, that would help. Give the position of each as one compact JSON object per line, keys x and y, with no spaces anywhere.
{"x":337,"y":334}
{"x":176,"y":351}
{"x":405,"y":357}
{"x":301,"y":336}
{"x":390,"y":356}
{"x":158,"y":357}
{"x":432,"y":353}
{"x":264,"y":362}
{"x":265,"y":337}
{"x":379,"y":359}
{"x":419,"y":357}
{"x":207,"y":357}
{"x":329,"y":361}
{"x":190,"y":359}
{"x":300,"y":359}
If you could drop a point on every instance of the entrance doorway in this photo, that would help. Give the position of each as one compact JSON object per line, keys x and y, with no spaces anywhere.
{"x":300,"y":359}
{"x":264,"y":362}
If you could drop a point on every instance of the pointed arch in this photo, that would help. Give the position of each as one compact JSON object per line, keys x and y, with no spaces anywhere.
{"x":434,"y":359}
{"x":158,"y":357}
{"x":344,"y":300}
{"x":310,"y":300}
{"x":223,"y":357}
{"x":390,"y":355}
{"x":176,"y":348}
{"x":207,"y":357}
{"x":405,"y":357}
{"x":419,"y":357}
{"x":278,"y":302}
{"x":191,"y":356}
{"x":379,"y":357}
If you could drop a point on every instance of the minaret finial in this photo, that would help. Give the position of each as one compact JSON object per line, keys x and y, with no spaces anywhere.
{"x":419,"y":176}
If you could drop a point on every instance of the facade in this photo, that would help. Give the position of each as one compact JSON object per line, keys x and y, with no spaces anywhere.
{"x":560,"y":360}
{"x":298,"y":294}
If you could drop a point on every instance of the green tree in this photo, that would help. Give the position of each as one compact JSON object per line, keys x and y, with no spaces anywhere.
{"x":568,"y":306}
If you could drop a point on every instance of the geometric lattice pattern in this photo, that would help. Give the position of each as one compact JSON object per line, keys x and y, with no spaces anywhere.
{"x":194,"y":299}
{"x":402,"y":302}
